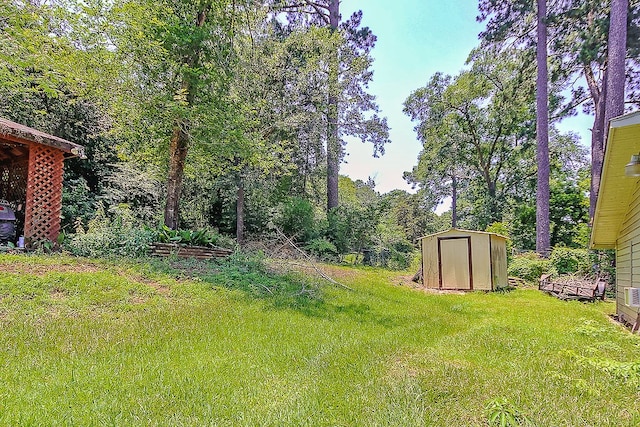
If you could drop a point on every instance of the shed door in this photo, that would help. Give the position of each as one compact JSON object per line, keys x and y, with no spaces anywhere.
{"x":454,"y":258}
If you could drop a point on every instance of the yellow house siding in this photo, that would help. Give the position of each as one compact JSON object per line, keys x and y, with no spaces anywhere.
{"x":628,"y":256}
{"x":616,"y":190}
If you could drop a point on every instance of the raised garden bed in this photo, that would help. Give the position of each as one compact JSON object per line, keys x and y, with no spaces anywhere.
{"x":187,"y":251}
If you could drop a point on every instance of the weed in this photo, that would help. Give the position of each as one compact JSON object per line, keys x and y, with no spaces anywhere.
{"x":502,"y":413}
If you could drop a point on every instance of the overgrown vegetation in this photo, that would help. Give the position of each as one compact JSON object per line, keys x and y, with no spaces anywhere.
{"x":174,"y":342}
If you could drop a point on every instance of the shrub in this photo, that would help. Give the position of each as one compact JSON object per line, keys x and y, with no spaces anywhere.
{"x":192,"y":237}
{"x":296,"y":218}
{"x":528,"y":266}
{"x":570,"y":261}
{"x":322,"y":248}
{"x":110,"y":237}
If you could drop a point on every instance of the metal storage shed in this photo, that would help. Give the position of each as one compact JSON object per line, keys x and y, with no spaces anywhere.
{"x":464,"y":260}
{"x":31,"y":169}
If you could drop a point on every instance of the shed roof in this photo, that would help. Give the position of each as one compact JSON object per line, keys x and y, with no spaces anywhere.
{"x":615,"y":188}
{"x":460,"y":230}
{"x":23,"y":134}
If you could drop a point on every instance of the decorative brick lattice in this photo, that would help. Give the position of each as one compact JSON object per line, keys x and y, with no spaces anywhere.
{"x":44,"y":194}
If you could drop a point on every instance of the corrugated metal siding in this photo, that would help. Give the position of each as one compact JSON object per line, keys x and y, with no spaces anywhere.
{"x":499,"y":262}
{"x":628,"y":256}
{"x":481,"y":261}
{"x":481,"y":258}
{"x":430,"y":273}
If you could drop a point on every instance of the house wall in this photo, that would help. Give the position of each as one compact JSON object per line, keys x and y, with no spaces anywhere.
{"x":628,"y":257}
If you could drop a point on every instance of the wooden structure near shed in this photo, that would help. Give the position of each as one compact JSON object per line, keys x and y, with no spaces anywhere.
{"x":31,"y":173}
{"x":570,"y":288}
{"x":464,"y":260}
{"x":616,"y":221}
{"x":186,"y":251}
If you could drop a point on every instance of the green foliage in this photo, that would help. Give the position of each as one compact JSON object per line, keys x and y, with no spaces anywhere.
{"x":296,"y":219}
{"x":191,"y":237}
{"x":105,"y":236}
{"x":322,"y":248}
{"x":502,"y":413}
{"x":528,"y":266}
{"x":78,"y":203}
{"x":570,"y":261}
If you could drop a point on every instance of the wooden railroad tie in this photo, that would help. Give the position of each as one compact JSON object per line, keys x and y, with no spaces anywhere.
{"x":185,"y":251}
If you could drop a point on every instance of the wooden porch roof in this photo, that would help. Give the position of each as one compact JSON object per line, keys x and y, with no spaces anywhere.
{"x":16,"y":132}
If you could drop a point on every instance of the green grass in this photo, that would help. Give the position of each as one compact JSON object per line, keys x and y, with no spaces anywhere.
{"x":159,"y":343}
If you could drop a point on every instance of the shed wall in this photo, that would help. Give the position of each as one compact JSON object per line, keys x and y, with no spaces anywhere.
{"x":430,"y":273}
{"x":481,"y":261}
{"x":628,"y":257}
{"x":482,"y":256}
{"x":499,"y":262}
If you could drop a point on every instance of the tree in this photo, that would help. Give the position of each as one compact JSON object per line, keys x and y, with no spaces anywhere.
{"x":578,"y":35}
{"x":543,"y":243}
{"x":616,"y":56}
{"x":478,"y":125}
{"x":349,"y":109}
{"x":176,"y":60}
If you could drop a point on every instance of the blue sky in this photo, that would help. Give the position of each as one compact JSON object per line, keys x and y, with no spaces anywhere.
{"x":416,"y":39}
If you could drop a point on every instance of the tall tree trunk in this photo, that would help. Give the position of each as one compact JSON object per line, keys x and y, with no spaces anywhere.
{"x":179,"y":145}
{"x":454,"y":201}
{"x":616,"y":61}
{"x":240,"y":213}
{"x":543,"y":238}
{"x":177,"y":154}
{"x":334,"y":147}
{"x":597,"y":148}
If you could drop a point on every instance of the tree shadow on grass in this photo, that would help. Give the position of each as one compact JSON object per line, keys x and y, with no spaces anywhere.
{"x":278,"y":291}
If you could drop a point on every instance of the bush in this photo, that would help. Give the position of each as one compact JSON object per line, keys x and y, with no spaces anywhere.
{"x":323,"y":249}
{"x":192,"y":237}
{"x":528,"y":266}
{"x":570,"y":261}
{"x":110,"y":237}
{"x":296,"y":219}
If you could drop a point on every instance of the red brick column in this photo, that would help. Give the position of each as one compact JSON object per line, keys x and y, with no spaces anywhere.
{"x":44,"y":194}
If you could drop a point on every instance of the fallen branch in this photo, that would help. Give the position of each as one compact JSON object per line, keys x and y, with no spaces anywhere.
{"x":313,"y":265}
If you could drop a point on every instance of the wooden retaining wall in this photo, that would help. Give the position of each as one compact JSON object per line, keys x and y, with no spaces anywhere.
{"x":185,"y":251}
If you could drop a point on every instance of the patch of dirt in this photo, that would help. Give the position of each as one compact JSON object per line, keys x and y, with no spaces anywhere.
{"x":57,"y":294}
{"x":42,"y":269}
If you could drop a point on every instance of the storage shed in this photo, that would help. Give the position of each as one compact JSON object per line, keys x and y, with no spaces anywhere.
{"x":31,"y":170}
{"x":464,"y":260}
{"x":616,"y":221}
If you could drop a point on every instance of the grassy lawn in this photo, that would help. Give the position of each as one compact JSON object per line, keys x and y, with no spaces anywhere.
{"x":106,"y":343}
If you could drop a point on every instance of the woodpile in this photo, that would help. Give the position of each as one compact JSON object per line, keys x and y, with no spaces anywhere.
{"x":185,"y":251}
{"x":571,"y":287}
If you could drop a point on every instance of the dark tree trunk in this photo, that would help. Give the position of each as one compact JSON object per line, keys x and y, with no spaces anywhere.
{"x":597,"y":149}
{"x":240,"y":214}
{"x":177,"y":155}
{"x":454,"y":201}
{"x":543,"y":238}
{"x":616,"y":61}
{"x":334,"y":147}
{"x":179,"y":145}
